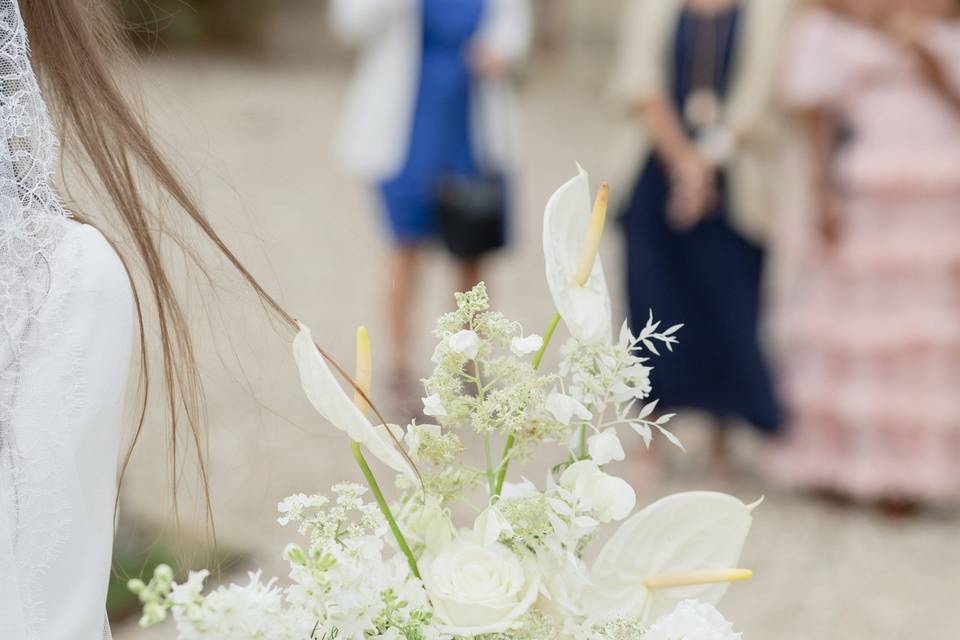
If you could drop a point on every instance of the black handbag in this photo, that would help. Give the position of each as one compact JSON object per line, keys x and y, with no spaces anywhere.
{"x":472,"y":213}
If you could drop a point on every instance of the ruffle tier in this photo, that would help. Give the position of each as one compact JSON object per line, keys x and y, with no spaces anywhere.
{"x":871,"y":345}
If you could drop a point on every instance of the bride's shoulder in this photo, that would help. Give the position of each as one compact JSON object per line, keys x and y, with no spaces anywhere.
{"x":95,"y":262}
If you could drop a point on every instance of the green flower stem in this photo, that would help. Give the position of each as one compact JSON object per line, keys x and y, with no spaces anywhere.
{"x":491,"y":478}
{"x":503,"y":468}
{"x":548,"y":336}
{"x":487,"y":455}
{"x":583,"y":442}
{"x":384,"y":508}
{"x":537,"y":359}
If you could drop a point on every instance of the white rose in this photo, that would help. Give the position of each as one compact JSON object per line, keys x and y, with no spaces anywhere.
{"x":608,"y":497}
{"x":425,"y":521}
{"x":465,"y":342}
{"x":605,"y":447}
{"x":433,"y":406}
{"x":526,"y":345}
{"x":563,"y":407}
{"x":476,"y":588}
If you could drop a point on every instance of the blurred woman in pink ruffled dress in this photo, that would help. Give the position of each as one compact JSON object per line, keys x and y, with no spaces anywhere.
{"x":871,"y":328}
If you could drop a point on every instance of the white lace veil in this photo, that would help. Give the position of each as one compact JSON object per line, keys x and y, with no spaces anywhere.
{"x":31,"y":226}
{"x":31,"y":214}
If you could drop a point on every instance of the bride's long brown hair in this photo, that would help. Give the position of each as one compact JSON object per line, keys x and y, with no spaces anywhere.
{"x":76,"y":47}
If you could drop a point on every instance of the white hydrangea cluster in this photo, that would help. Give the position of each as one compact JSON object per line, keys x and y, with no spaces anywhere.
{"x":482,"y":376}
{"x":692,"y":620}
{"x":341,"y":584}
{"x":234,"y":612}
{"x":354,"y":593}
{"x":343,"y":580}
{"x":254,"y":610}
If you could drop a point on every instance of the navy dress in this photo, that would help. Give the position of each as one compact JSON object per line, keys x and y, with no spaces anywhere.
{"x":440,"y":141}
{"x":707,"y":277}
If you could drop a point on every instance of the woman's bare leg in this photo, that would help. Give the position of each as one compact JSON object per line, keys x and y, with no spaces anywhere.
{"x":720,"y":462}
{"x":400,"y":298}
{"x":469,"y":273}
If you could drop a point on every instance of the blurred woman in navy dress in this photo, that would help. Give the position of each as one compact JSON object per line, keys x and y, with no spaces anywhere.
{"x":430,"y":100}
{"x":699,"y":75}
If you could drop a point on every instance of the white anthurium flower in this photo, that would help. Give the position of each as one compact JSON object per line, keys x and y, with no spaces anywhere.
{"x":331,"y":401}
{"x":605,"y":447}
{"x":563,"y":408}
{"x":465,"y":342}
{"x":433,"y":406}
{"x":684,"y":546}
{"x":477,"y":588}
{"x":526,"y":345}
{"x":490,"y":525}
{"x":567,"y":228}
{"x":608,"y":497}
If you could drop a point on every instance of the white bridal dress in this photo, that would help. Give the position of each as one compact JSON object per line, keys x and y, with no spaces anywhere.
{"x":66,"y":328}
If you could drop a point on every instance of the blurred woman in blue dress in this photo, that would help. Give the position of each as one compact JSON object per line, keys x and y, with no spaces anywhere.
{"x":699,"y":75}
{"x":430,"y":101}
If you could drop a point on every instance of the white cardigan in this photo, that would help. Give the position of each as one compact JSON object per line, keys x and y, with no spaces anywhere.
{"x":762,"y":133}
{"x":374,"y":134}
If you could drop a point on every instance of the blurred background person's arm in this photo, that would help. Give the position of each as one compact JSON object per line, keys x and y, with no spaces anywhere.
{"x":506,"y":40}
{"x":357,"y":21}
{"x":692,"y":173}
{"x":931,"y":29}
{"x":641,"y":84}
{"x":811,"y":95}
{"x":821,"y":130}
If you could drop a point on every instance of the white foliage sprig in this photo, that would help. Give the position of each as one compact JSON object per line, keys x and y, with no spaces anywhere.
{"x":612,"y":379}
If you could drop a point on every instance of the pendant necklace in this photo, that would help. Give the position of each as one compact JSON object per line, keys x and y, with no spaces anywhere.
{"x":702,"y":105}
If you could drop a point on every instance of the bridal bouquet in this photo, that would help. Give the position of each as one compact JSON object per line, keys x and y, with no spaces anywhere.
{"x":515,"y":567}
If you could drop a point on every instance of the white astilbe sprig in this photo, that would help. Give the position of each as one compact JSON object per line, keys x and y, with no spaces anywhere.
{"x":609,"y":380}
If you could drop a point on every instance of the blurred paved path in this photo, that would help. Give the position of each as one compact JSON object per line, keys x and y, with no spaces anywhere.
{"x":254,"y":140}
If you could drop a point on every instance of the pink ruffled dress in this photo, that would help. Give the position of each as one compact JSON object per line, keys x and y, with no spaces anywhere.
{"x":871,"y":370}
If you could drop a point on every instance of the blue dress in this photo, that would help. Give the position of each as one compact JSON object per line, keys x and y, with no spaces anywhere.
{"x":440,"y":141}
{"x":707,"y":277}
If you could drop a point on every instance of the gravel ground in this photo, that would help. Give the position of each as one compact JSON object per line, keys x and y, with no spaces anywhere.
{"x":254,"y":141}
